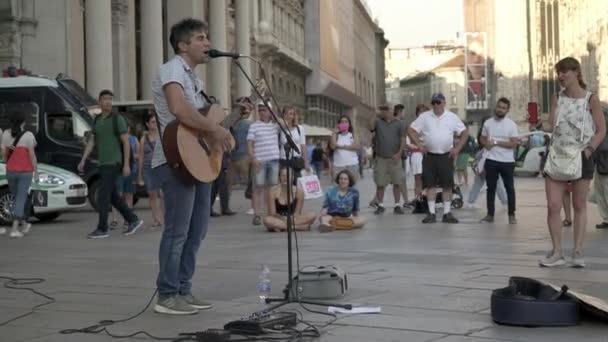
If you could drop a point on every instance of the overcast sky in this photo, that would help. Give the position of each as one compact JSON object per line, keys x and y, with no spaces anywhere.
{"x":409,"y":23}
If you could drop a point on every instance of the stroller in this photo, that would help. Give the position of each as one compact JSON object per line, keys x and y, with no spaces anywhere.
{"x":421,"y":205}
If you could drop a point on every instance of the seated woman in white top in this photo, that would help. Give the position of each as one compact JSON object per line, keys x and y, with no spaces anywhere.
{"x":345,"y":145}
{"x":278,"y":207}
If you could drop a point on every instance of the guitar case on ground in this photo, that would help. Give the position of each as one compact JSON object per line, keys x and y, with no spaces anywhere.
{"x":529,"y":302}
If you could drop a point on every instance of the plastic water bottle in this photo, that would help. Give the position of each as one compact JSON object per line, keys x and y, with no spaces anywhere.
{"x":264,"y":288}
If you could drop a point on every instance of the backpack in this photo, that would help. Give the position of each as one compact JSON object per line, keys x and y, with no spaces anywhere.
{"x":117,"y":135}
{"x":470,"y":147}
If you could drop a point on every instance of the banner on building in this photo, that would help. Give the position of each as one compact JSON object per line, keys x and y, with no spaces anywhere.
{"x":476,"y":66}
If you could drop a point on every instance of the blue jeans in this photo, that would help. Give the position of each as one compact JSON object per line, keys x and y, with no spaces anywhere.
{"x":268,"y":174}
{"x":478,"y":184}
{"x":186,"y":218}
{"x":19,"y":184}
{"x":318,"y":166}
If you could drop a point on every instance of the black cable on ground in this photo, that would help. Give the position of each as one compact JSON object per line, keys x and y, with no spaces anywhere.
{"x":102,"y":327}
{"x":18,"y":284}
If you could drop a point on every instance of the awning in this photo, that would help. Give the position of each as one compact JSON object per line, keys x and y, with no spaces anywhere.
{"x":316,"y":131}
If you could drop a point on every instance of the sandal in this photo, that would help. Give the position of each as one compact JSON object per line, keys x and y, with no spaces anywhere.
{"x":567,"y":223}
{"x":156,"y":225}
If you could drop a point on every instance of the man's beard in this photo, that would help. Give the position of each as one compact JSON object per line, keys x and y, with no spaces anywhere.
{"x":499,"y":115}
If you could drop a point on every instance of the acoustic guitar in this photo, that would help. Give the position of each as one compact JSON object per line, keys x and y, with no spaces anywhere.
{"x":188,"y":152}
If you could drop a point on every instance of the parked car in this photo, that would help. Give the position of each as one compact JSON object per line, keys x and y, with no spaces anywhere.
{"x":528,"y":156}
{"x":55,"y":191}
{"x":60,"y":114}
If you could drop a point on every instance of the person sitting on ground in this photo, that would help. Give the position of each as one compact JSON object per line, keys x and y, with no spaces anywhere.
{"x":278,"y":208}
{"x":341,"y":200}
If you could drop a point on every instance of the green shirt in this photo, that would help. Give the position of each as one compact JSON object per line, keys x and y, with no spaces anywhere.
{"x":388,"y":137}
{"x":109,"y":146}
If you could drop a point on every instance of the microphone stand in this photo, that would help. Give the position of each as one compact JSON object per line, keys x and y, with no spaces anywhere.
{"x":290,"y":294}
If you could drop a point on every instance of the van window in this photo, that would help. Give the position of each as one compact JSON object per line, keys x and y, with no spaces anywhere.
{"x":63,"y":123}
{"x":25,"y":99}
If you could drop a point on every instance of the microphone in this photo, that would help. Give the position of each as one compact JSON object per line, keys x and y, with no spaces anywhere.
{"x":213,"y":53}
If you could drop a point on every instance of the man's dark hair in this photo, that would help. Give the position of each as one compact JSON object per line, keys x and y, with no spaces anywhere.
{"x":105,"y":92}
{"x":182,"y":31}
{"x":398,"y":107}
{"x":505,"y":101}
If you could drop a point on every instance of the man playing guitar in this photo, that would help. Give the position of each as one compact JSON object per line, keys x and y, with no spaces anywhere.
{"x":178,"y":95}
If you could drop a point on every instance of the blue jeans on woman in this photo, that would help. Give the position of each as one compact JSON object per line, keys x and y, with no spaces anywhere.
{"x":478,"y":184}
{"x":19,"y":184}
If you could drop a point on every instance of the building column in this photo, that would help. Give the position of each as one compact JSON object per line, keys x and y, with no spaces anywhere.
{"x":151,"y":44}
{"x":98,"y":23}
{"x":120,"y":48}
{"x":243,"y":46}
{"x":177,"y":11}
{"x":218,"y":67}
{"x":266,"y":21}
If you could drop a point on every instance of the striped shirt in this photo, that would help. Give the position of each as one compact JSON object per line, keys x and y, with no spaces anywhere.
{"x":265,"y":137}
{"x":174,"y":71}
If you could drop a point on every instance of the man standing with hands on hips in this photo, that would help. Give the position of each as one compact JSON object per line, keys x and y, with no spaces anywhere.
{"x":499,"y":137}
{"x":437,"y":127}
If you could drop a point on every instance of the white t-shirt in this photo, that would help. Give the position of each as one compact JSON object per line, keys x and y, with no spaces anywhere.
{"x":344,"y":157}
{"x":27,"y":140}
{"x":438,"y":131}
{"x":500,"y":130}
{"x":299,"y":137}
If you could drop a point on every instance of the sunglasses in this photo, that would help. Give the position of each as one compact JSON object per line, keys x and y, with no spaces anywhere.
{"x":436,"y":102}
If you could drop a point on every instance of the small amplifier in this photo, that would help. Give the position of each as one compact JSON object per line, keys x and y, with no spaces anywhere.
{"x":320,"y":282}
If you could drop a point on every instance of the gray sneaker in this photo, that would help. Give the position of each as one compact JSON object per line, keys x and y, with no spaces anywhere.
{"x":174,"y":306}
{"x":512,"y":219}
{"x":133,"y":227}
{"x":553,"y":259}
{"x":195,"y":302}
{"x":577,"y":260}
{"x":487,"y":219}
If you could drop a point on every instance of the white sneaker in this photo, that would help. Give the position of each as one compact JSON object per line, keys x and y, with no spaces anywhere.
{"x":250,"y":212}
{"x":552,"y":260}
{"x":471,"y":206}
{"x":2,"y":231}
{"x":16,"y":234}
{"x":577,"y":260}
{"x":26,"y":229}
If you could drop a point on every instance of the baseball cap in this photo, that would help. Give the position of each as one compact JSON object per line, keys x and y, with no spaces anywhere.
{"x":437,"y":97}
{"x":261,"y":104}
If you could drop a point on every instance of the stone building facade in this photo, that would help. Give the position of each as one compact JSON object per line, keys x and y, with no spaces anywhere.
{"x":527,"y":38}
{"x":119,"y":44}
{"x":342,"y":44}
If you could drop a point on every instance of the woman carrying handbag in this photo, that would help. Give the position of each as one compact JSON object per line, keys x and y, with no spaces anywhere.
{"x":578,"y":127}
{"x":21,"y":165}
